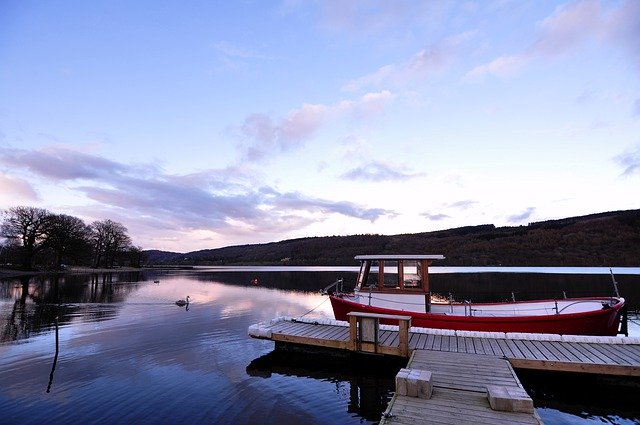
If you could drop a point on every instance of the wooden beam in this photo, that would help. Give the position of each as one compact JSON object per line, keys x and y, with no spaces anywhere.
{"x":559,"y":366}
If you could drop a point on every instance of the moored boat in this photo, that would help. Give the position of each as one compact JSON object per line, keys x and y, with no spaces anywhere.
{"x":399,"y":284}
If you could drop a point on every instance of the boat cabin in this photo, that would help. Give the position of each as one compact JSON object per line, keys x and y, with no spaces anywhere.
{"x":395,"y":273}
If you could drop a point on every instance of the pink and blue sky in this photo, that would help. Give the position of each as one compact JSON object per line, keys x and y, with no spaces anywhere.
{"x":205,"y":124}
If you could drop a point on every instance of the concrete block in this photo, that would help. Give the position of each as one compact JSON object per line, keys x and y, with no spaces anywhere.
{"x":425,"y":384}
{"x":414,"y":383}
{"x":401,"y":381}
{"x":509,"y":399}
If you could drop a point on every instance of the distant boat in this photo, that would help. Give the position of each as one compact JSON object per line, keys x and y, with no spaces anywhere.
{"x":399,"y":285}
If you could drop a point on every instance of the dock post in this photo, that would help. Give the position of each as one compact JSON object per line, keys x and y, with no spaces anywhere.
{"x":403,"y":337}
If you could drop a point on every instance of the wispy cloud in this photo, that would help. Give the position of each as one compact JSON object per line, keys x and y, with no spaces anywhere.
{"x":569,"y":27}
{"x":211,"y":200}
{"x":263,"y":135}
{"x":461,"y":205}
{"x":436,"y":216}
{"x":430,"y":61}
{"x":13,"y":189}
{"x":520,"y":217}
{"x":59,"y":163}
{"x":297,"y":201}
{"x":377,"y":171}
{"x":629,"y":161}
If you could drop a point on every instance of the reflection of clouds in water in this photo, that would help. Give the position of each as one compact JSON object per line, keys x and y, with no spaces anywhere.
{"x":151,"y":354}
{"x":235,"y":299}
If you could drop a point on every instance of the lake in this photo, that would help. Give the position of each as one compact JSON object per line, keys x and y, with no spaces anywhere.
{"x":114,"y":348}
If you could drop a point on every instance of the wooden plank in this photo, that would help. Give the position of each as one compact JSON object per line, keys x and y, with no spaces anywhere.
{"x":506,"y":350}
{"x":422,"y":342}
{"x":631,"y":351}
{"x":413,"y":339}
{"x":557,"y":355}
{"x":617,"y":355}
{"x":437,"y":342}
{"x":576,"y":367}
{"x":429,"y":342}
{"x":514,"y":348}
{"x":568,"y":354}
{"x":444,"y":345}
{"x":497,"y":351}
{"x":543,"y":350}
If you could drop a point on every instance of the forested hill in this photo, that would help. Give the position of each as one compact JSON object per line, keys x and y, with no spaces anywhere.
{"x":605,"y":239}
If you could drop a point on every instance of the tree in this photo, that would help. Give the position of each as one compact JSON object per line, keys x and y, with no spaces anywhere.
{"x":109,"y":239}
{"x":27,"y":226}
{"x":68,"y":237}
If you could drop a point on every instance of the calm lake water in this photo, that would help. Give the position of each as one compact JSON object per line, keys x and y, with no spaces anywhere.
{"x":114,"y":348}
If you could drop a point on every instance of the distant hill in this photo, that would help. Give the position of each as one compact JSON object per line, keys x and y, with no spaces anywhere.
{"x":604,"y":239}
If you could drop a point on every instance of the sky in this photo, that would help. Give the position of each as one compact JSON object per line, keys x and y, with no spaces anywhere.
{"x":204,"y":124}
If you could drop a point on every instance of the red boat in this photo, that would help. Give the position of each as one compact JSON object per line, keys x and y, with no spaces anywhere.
{"x":399,"y":284}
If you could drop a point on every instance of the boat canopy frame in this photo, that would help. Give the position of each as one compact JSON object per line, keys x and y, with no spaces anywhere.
{"x":409,"y":273}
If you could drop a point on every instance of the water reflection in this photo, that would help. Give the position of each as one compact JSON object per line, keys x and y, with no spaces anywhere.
{"x":367,"y":381}
{"x":115,"y":348}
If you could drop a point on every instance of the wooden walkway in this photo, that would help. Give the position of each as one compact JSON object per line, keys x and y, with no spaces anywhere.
{"x":471,"y":373}
{"x":600,"y":355}
{"x":459,"y":391}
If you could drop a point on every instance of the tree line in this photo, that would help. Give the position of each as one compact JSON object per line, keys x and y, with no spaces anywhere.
{"x":36,"y":237}
{"x":603,"y":239}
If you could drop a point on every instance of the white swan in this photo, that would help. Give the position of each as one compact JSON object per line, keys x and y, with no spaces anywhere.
{"x":182,"y":303}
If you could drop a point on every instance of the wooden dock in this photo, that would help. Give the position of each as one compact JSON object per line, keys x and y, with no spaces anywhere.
{"x":459,"y":393}
{"x":459,"y":376}
{"x":566,"y":353}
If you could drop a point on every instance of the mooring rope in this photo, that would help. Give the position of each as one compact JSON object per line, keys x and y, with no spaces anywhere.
{"x":323,"y":301}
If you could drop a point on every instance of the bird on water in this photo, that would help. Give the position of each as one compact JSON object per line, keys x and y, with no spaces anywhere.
{"x":182,"y":303}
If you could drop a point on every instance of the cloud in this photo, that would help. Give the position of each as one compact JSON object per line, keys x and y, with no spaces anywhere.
{"x":263,"y":136}
{"x":629,"y":161}
{"x":59,"y":163}
{"x":208,"y":201}
{"x":502,"y":66}
{"x":518,"y":218}
{"x":377,"y":171}
{"x":13,"y":189}
{"x":430,"y":61}
{"x":461,"y":205}
{"x":297,"y":201}
{"x":569,"y":27}
{"x":435,"y":217}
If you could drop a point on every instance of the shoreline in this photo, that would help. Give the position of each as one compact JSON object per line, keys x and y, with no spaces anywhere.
{"x":6,"y":273}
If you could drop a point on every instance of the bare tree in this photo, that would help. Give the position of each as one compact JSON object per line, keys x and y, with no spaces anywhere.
{"x":109,"y":239}
{"x":68,"y":237}
{"x":27,"y":226}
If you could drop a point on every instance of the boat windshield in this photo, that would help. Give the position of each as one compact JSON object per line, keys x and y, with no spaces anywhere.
{"x":392,"y":274}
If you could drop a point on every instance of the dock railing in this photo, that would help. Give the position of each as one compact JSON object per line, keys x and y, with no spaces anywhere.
{"x":364,"y":333}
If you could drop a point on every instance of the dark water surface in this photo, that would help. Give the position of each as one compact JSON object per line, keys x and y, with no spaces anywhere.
{"x":114,"y":348}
